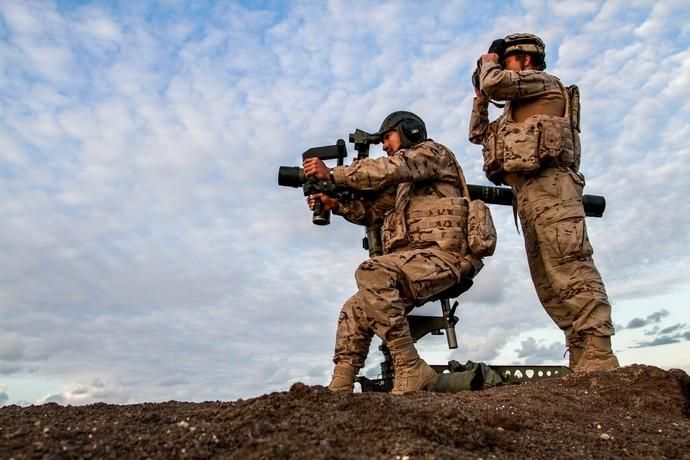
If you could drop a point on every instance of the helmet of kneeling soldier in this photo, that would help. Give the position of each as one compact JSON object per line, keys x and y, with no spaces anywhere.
{"x":409,"y":127}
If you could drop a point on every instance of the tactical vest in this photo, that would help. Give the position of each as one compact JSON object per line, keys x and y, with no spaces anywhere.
{"x":454,"y":223}
{"x":439,"y":220}
{"x":539,"y":141}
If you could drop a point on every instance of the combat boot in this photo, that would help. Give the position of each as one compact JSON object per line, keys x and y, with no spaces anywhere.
{"x":343,"y":378}
{"x":411,"y":372}
{"x":574,"y":355}
{"x":597,"y":355}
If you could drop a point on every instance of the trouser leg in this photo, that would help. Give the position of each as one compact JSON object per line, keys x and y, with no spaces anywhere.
{"x":559,"y":311}
{"x":352,"y":342}
{"x":566,"y":255}
{"x":560,"y":257}
{"x":353,"y":335}
{"x":391,"y":285}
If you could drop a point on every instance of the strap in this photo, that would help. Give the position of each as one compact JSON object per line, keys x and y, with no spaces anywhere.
{"x":461,"y":176}
{"x":515,"y":209}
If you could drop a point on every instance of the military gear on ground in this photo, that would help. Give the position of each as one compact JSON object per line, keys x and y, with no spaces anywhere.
{"x":409,"y":126}
{"x":597,"y":355}
{"x":343,"y":378}
{"x":468,"y":376}
{"x":411,"y":372}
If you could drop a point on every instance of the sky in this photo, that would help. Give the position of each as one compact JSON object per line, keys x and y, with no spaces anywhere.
{"x":148,"y":254}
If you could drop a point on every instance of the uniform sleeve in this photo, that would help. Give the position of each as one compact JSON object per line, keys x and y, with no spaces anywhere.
{"x":479,"y":121}
{"x":365,"y":212}
{"x":505,"y":85}
{"x":424,"y":161}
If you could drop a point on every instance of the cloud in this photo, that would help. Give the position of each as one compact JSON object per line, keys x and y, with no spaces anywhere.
{"x":673,"y":328}
{"x":655,"y":317}
{"x":658,"y":341}
{"x":533,"y":352}
{"x":665,"y":337}
{"x":665,"y":340}
{"x":85,"y":394}
{"x":151,"y":254}
{"x":572,"y":10}
{"x":637,"y":323}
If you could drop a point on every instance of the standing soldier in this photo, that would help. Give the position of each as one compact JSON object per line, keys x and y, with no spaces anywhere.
{"x":534,"y":147}
{"x":420,"y":196}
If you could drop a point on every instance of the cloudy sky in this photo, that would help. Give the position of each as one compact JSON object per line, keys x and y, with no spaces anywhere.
{"x":147,"y":253}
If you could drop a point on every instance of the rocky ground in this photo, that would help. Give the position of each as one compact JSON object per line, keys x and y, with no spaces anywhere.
{"x":633,"y":412}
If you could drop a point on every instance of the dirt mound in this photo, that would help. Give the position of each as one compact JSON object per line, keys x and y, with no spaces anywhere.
{"x":636,"y":411}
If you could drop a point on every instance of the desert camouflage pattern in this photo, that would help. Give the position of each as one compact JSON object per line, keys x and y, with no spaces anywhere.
{"x":423,"y":208}
{"x":568,"y":283}
{"x":389,"y":287}
{"x":481,"y":232}
{"x":537,"y":45}
{"x":548,"y":193}
{"x":424,"y":204}
{"x":538,"y":127}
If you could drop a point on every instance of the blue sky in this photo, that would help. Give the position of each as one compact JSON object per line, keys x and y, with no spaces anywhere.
{"x":147,"y":253}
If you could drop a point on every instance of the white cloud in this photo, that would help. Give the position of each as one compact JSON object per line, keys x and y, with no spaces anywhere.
{"x":534,"y":352}
{"x":573,"y":9}
{"x":147,"y":251}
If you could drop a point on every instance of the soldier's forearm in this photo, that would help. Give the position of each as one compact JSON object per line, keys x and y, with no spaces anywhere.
{"x":479,"y":121}
{"x":380,"y":173}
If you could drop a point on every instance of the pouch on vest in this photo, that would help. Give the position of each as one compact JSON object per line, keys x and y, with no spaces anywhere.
{"x":521,"y":144}
{"x":394,"y":232}
{"x":442,"y":221}
{"x":551,"y":140}
{"x":493,"y":155}
{"x":481,"y":233}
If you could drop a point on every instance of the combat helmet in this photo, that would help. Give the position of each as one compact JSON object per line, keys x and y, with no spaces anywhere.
{"x":410,"y":128}
{"x":528,"y":44}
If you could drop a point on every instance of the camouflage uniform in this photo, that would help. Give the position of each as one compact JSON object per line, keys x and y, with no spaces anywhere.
{"x":423,"y":210}
{"x":534,"y":147}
